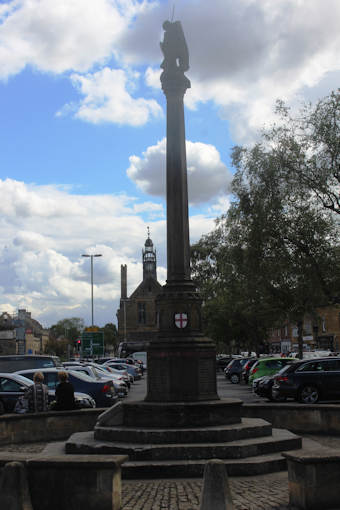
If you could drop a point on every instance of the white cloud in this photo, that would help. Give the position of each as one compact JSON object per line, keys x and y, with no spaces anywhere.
{"x":243,"y":55}
{"x":63,"y":35}
{"x":41,"y":267}
{"x":246,"y":54}
{"x":208,"y":176}
{"x":107,"y":99}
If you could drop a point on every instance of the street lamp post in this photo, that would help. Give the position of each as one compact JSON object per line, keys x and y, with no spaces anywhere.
{"x":91,"y":257}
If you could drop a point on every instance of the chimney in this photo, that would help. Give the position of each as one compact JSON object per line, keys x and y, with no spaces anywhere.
{"x":123,"y":281}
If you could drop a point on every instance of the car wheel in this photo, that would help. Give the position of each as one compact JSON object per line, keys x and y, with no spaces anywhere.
{"x":235,"y":378}
{"x":2,"y":408}
{"x":309,"y":395}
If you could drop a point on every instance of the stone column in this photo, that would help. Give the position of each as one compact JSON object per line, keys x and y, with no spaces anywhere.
{"x":181,"y":362}
{"x":178,"y":248}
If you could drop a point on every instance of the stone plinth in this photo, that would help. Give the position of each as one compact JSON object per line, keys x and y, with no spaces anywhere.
{"x":71,"y":481}
{"x":181,"y":370}
{"x":177,"y":414}
{"x":313,"y":479}
{"x":76,"y":481}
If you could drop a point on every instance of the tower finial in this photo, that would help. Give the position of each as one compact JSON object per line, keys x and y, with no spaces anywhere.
{"x":148,"y":229}
{"x":173,"y":13}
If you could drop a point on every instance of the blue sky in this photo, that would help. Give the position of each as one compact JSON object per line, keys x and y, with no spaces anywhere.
{"x":82,"y":127}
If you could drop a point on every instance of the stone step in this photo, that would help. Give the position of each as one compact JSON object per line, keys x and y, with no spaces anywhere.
{"x":281,"y":440}
{"x":249,"y":428}
{"x":251,"y":466}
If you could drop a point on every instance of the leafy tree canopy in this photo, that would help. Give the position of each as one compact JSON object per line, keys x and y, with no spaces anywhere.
{"x":275,"y":253}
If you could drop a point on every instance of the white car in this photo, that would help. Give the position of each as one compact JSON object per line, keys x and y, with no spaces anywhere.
{"x":97,"y":373}
{"x":128,"y":378}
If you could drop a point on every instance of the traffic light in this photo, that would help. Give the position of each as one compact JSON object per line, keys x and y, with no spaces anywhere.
{"x":78,"y":344}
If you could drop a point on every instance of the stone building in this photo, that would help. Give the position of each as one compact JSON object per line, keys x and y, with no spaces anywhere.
{"x":321,"y":332}
{"x":7,"y":334}
{"x":21,"y":334}
{"x":136,"y":315}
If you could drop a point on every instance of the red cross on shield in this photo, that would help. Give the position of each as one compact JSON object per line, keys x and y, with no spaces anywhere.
{"x":181,"y":320}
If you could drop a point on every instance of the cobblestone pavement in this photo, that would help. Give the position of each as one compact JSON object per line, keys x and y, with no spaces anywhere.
{"x":265,"y":492}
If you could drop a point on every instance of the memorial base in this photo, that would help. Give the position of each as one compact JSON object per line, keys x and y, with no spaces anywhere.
{"x":181,"y":370}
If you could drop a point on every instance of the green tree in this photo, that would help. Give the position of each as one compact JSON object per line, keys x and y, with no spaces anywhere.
{"x":307,"y":148}
{"x":274,"y":254}
{"x":63,"y":336}
{"x":110,"y":335}
{"x":70,"y":328}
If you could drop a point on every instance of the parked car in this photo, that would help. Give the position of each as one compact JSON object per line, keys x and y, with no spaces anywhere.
{"x":310,"y":380}
{"x":121,"y":371}
{"x":13,"y":386}
{"x":246,"y":369}
{"x":100,"y":361}
{"x":132,"y":370}
{"x":141,"y":357}
{"x":222,"y":362}
{"x":267,"y":366}
{"x":263,"y":386}
{"x":234,"y":369}
{"x":13,"y":363}
{"x":103,"y":392}
{"x":97,"y":373}
{"x":70,"y":364}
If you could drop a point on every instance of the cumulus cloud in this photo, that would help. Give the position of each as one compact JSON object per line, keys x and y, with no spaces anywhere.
{"x":41,"y":263}
{"x":107,"y":99}
{"x":208,"y":176}
{"x":246,"y":54}
{"x":243,"y":55}
{"x":63,"y":35}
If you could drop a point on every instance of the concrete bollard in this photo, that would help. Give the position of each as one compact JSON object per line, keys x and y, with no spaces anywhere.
{"x":216,"y":494}
{"x":14,"y":490}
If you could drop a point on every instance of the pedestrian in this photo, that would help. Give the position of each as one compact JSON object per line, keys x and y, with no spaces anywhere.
{"x":37,"y":395}
{"x":64,"y":394}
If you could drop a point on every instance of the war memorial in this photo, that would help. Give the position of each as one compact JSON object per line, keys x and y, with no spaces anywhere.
{"x":182,"y":424}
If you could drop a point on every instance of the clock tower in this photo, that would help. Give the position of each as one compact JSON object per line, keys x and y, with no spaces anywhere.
{"x":149,"y":259}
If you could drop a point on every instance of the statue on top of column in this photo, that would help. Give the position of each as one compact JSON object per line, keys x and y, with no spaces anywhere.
{"x":174,"y":48}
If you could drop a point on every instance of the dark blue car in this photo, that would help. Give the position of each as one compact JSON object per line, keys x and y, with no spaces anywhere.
{"x":103,"y":392}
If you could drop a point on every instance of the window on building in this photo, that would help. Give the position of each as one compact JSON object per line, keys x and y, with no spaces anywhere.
{"x":141,"y":313}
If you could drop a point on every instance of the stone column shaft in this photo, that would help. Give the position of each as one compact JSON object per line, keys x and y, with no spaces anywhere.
{"x":178,"y":244}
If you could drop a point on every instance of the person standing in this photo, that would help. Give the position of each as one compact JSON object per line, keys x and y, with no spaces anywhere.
{"x":64,"y":394}
{"x":37,"y":395}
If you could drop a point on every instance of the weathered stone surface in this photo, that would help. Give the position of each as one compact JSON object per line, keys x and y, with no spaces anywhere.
{"x":14,"y":490}
{"x":76,"y":481}
{"x":22,"y":428}
{"x":280,"y":441}
{"x":181,"y":368}
{"x":313,"y":479}
{"x":182,"y":414}
{"x":242,"y":457}
{"x":216,"y":492}
{"x":112,"y":416}
{"x":213,"y":434}
{"x":304,"y":418}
